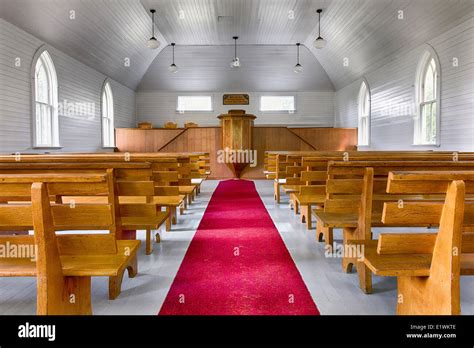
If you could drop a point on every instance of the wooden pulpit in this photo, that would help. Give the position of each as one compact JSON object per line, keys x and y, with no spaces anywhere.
{"x":236,"y":128}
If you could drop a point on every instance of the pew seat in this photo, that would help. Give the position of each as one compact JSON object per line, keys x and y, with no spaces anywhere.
{"x":144,"y":222}
{"x":346,"y":220}
{"x":188,"y":191}
{"x":291,"y":188}
{"x":309,"y":200}
{"x":105,"y":265}
{"x":197,"y":181}
{"x":169,"y":200}
{"x":17,"y":267}
{"x":397,"y":264}
{"x":405,"y":264}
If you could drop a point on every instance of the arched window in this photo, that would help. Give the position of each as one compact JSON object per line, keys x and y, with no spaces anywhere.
{"x":364,"y":115}
{"x":45,"y":92}
{"x":108,"y":135}
{"x":427,"y":120}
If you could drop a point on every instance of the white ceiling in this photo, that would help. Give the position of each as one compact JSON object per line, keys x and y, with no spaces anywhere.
{"x":367,"y":32}
{"x":263,"y":68}
{"x":254,"y":21}
{"x":103,"y":34}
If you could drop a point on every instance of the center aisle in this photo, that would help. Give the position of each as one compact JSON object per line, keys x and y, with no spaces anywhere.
{"x":237,"y":263}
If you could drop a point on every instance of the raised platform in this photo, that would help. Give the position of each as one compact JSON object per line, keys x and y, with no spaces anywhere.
{"x":208,"y":139}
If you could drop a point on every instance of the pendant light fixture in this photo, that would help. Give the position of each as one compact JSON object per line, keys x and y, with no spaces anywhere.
{"x":298,"y":67}
{"x":173,"y":68}
{"x":235,"y":64}
{"x":319,"y":42}
{"x":153,"y":43}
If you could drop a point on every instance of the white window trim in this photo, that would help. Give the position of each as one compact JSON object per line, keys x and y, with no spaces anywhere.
{"x":277,"y":111}
{"x":111,"y":119}
{"x":369,"y":116}
{"x":195,"y":111}
{"x":428,"y":54}
{"x":54,"y":85}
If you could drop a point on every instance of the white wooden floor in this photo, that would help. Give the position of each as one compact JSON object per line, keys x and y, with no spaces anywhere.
{"x":334,"y":292}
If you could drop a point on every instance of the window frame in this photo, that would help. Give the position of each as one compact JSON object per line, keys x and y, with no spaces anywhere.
{"x":107,"y":89}
{"x":277,"y":111}
{"x":428,"y":55}
{"x":194,"y":111}
{"x":364,"y":84}
{"x":43,"y":55}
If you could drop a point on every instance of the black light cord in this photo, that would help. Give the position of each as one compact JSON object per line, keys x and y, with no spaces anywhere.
{"x":298,"y":53}
{"x":319,"y":25}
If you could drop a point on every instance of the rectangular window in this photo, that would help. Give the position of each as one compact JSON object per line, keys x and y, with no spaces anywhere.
{"x":194,"y":103}
{"x":277,"y":103}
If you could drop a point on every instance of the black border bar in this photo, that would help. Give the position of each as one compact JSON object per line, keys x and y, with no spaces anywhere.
{"x":289,"y":330}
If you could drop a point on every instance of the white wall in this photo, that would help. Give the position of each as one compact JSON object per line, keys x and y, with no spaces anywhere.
{"x":312,"y":109}
{"x":78,"y":83}
{"x":393,"y":95}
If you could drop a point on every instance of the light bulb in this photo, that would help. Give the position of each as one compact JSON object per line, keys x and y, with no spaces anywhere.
{"x":173,"y":68}
{"x":235,"y":63}
{"x":319,"y":43}
{"x":153,"y":43}
{"x":298,"y":68}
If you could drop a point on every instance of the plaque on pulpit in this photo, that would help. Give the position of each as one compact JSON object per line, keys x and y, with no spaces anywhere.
{"x":236,"y":128}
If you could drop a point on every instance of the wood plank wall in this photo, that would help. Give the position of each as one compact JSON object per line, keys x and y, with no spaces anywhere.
{"x":208,"y":139}
{"x":79,"y":84}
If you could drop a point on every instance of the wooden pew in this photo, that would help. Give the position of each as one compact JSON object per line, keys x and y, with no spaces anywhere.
{"x":137,"y":208}
{"x":146,"y":215}
{"x":185,"y":184}
{"x":428,"y":266}
{"x":158,"y":161}
{"x":279,"y":176}
{"x":181,"y":178}
{"x":270,"y":165}
{"x":356,"y":193}
{"x":200,"y":170}
{"x":167,"y":194}
{"x":64,"y":264}
{"x":311,"y":194}
{"x":318,"y":168}
{"x":129,"y":171}
{"x":346,"y":181}
{"x":96,"y":157}
{"x":310,"y":160}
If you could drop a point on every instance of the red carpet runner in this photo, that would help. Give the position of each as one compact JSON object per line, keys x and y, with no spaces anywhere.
{"x":237,"y":262}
